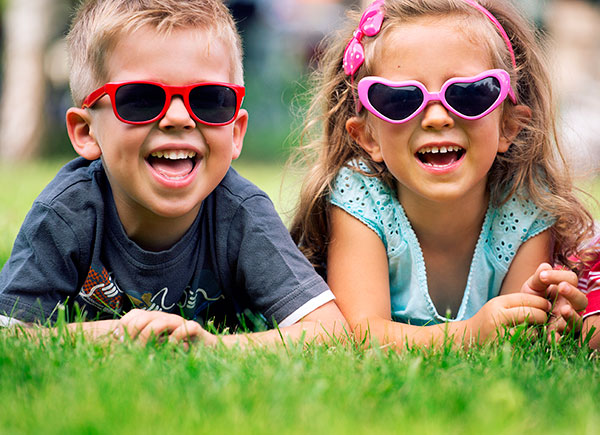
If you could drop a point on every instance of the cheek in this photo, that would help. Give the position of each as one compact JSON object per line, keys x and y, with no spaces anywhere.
{"x":396,"y":139}
{"x":487,"y":129}
{"x":118,"y":138}
{"x":219,"y":140}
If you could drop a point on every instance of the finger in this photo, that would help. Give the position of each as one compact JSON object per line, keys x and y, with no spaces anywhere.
{"x":126,"y":319}
{"x":576,"y":298}
{"x":181,"y":335}
{"x":557,"y":276}
{"x":159,"y":328}
{"x":528,"y":315}
{"x":572,"y":318}
{"x":535,"y":282}
{"x":138,"y":323}
{"x":553,"y":337}
{"x":133,"y":316}
{"x":192,"y":331}
{"x":118,"y":333}
{"x":552,"y":292}
{"x":187,"y":331}
{"x":515,"y":300}
{"x":557,"y":324}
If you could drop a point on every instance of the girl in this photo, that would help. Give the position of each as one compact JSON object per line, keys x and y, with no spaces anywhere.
{"x":436,"y":183}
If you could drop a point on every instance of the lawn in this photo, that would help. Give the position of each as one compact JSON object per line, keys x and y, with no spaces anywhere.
{"x":74,"y":386}
{"x":70,"y":385}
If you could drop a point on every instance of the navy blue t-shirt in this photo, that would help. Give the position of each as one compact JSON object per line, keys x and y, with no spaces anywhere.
{"x":236,"y":256}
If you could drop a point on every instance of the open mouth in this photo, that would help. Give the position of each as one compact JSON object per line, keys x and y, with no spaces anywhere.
{"x":439,"y":157}
{"x":173,"y":164}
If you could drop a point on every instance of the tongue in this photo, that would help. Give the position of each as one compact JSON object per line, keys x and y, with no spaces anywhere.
{"x":439,"y":159}
{"x":172,"y":168}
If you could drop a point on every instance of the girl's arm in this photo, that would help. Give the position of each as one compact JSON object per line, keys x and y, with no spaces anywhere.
{"x":530,"y":255}
{"x":530,"y":272}
{"x":357,"y":272}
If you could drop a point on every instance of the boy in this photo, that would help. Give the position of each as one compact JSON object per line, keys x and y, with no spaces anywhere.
{"x":151,"y":220}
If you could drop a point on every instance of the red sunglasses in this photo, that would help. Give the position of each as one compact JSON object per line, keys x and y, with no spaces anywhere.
{"x":143,"y":102}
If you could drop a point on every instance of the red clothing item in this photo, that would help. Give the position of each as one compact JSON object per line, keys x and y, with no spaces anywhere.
{"x":589,"y":283}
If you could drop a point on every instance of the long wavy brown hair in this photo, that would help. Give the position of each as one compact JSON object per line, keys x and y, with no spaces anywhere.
{"x":533,"y":166}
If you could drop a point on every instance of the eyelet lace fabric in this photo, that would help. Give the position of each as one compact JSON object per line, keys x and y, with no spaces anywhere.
{"x":503,"y":231}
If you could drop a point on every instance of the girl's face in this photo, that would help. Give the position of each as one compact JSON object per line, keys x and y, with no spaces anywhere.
{"x":436,"y":156}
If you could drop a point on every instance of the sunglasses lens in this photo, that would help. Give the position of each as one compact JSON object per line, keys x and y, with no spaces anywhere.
{"x":139,"y":102}
{"x":473,"y":99}
{"x":215,"y":104}
{"x":396,"y":103}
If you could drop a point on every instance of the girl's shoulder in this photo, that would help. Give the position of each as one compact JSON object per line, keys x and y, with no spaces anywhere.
{"x":363,"y":196}
{"x":521,"y":216}
{"x":514,"y":222}
{"x":356,"y":177}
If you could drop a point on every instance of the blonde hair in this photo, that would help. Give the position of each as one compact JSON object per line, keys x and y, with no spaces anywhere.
{"x":532,"y":167}
{"x":98,"y":25}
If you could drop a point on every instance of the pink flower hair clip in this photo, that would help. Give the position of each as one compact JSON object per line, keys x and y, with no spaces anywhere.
{"x":369,"y":25}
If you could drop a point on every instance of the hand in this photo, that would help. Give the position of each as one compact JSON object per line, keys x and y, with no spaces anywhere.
{"x":559,"y":286}
{"x":590,"y":322}
{"x":143,"y":325}
{"x":507,"y":311}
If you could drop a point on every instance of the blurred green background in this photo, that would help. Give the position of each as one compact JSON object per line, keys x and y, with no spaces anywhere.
{"x":280,"y":42}
{"x":279,"y":38}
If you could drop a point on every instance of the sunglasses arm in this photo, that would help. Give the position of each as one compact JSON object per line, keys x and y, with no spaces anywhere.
{"x":92,"y":98}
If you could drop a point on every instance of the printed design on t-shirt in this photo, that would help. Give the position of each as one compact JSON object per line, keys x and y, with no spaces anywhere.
{"x":100,"y":291}
{"x":150,"y":302}
{"x":190,"y":297}
{"x":196,"y":298}
{"x":157,"y":303}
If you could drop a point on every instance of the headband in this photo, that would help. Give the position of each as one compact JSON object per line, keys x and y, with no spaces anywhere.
{"x":370,"y":25}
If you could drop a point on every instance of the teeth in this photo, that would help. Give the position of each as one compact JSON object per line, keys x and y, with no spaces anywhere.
{"x":442,"y":149}
{"x":433,"y":165}
{"x":174,"y":154}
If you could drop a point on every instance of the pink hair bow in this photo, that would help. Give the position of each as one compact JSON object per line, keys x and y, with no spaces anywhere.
{"x":369,"y":25}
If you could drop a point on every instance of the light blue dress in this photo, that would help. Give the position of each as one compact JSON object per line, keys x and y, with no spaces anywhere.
{"x":503,"y":231}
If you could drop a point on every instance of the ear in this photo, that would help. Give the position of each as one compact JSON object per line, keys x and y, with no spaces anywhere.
{"x":357,"y":129}
{"x":512,"y":126}
{"x":79,"y":127}
{"x":239,"y":131}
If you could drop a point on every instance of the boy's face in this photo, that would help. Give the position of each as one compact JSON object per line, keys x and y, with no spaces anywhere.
{"x":165,"y":169}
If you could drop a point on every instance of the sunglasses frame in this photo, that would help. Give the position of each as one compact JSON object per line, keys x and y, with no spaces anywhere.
{"x":111,"y":88}
{"x":501,"y":75}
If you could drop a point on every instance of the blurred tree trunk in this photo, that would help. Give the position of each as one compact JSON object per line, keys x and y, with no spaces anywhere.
{"x":27,"y":30}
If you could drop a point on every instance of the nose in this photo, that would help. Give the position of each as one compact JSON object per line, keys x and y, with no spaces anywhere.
{"x":177,"y":116}
{"x":436,"y":117}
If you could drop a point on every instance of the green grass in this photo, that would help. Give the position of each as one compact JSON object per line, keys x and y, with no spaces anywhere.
{"x":70,"y":385}
{"x":74,"y":386}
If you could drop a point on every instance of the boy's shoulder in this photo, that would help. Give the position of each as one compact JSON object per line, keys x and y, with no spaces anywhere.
{"x":74,"y":180}
{"x":237,"y":189}
{"x":238,"y":203}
